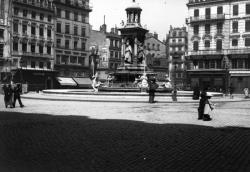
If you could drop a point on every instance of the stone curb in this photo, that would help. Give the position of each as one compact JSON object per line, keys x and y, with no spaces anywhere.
{"x":122,"y":100}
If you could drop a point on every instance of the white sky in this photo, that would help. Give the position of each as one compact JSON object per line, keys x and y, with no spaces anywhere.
{"x":158,"y":15}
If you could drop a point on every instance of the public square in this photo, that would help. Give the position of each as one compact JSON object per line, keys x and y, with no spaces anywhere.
{"x":114,"y":136}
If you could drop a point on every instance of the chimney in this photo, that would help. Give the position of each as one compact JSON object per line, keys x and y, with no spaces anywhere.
{"x":103,"y":28}
{"x":155,"y":35}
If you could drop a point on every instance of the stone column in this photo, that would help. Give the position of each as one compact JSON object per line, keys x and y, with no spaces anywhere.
{"x":135,"y":51}
{"x":122,"y":51}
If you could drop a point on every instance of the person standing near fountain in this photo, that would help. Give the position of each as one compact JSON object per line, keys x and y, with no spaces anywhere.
{"x":152,"y":86}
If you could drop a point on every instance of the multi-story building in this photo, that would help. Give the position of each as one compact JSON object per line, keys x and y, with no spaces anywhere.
{"x":109,"y":50}
{"x":219,"y":43}
{"x":114,"y":49}
{"x":5,"y":58}
{"x":156,"y":50}
{"x":177,"y":41}
{"x":31,"y":43}
{"x":72,"y":34}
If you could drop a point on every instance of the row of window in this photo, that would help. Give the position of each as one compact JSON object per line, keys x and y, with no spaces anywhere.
{"x":115,"y":54}
{"x":207,"y":45}
{"x":33,"y":29}
{"x":114,"y":43}
{"x":75,"y":16}
{"x":217,"y":64}
{"x":180,"y":33}
{"x":33,"y":48}
{"x":67,"y":44}
{"x":62,"y":59}
{"x":32,"y":14}
{"x":179,"y":48}
{"x":209,"y":64}
{"x":35,"y":64}
{"x":67,"y":29}
{"x":219,"y":27}
{"x":180,"y":40}
{"x":234,"y":43}
{"x":153,"y":47}
{"x":220,"y":11}
{"x":235,"y":27}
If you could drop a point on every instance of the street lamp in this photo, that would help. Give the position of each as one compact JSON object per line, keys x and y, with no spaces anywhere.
{"x":226,"y":65}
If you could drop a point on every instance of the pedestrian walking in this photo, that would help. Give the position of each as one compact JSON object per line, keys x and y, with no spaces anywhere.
{"x":17,"y":96}
{"x":208,"y":107}
{"x":196,"y":93}
{"x":5,"y":90}
{"x":152,"y":86}
{"x":231,"y":91}
{"x":8,"y":95}
{"x":174,"y":95}
{"x":202,"y":105}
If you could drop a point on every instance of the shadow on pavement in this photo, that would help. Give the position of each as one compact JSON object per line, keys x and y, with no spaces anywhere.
{"x":38,"y":142}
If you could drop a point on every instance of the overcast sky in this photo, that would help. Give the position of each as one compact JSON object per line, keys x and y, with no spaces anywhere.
{"x":158,"y":15}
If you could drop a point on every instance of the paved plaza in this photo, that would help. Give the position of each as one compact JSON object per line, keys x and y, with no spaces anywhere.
{"x":97,"y":136}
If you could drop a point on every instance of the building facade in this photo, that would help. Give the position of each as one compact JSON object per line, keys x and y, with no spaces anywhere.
{"x":109,"y":50}
{"x":5,"y":58}
{"x":177,"y":44}
{"x":156,"y":53}
{"x":219,"y":44}
{"x":31,"y":57}
{"x":71,"y":37}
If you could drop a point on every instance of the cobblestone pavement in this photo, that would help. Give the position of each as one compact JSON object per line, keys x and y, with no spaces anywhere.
{"x":125,"y":137}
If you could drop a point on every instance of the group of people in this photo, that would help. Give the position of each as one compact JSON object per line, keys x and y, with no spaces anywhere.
{"x":12,"y":92}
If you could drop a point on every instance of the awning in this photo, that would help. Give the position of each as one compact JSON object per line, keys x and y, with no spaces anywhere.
{"x":83,"y":81}
{"x":66,"y":81}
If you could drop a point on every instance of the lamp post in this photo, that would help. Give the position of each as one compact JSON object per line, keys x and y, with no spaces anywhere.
{"x":175,"y":72}
{"x":226,"y":65}
{"x":94,"y":53}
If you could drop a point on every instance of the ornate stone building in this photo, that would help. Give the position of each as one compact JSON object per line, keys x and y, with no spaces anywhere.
{"x":31,"y":52}
{"x":5,"y":57}
{"x":177,"y":41}
{"x":219,"y":43}
{"x":71,"y":37}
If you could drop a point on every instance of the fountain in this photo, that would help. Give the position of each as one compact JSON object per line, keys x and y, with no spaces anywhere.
{"x":133,"y":72}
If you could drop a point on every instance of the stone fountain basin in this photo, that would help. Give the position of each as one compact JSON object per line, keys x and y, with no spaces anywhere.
{"x":124,"y":92}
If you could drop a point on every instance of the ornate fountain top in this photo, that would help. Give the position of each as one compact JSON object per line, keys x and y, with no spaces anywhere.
{"x":134,"y":6}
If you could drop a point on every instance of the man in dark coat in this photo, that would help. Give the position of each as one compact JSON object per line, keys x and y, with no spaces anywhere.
{"x":152,"y":88}
{"x":202,"y":105}
{"x":17,"y":92}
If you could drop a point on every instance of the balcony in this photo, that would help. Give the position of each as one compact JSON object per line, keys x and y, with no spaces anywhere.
{"x":177,"y":53}
{"x":48,"y":6}
{"x":74,"y":4}
{"x":173,"y":44}
{"x":210,"y":51}
{"x":205,"y":18}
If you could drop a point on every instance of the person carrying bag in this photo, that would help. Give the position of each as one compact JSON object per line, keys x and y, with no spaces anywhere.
{"x":208,"y":107}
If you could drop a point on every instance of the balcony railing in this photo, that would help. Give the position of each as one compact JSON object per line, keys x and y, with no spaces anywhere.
{"x":176,"y":43}
{"x":210,"y":51}
{"x":206,"y":18}
{"x":48,"y":6}
{"x":84,"y":5}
